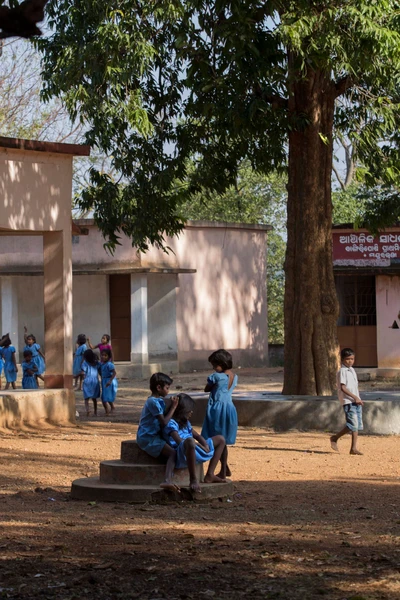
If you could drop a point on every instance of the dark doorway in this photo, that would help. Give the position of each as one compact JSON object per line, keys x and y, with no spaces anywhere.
{"x":357,"y":317}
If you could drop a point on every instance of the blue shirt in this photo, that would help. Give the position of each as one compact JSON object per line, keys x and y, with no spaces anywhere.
{"x":184,"y":432}
{"x":149,"y":425}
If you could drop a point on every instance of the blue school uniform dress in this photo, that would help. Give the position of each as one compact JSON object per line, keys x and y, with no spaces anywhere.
{"x":37,"y":359}
{"x":1,"y":361}
{"x":221,"y":416}
{"x":148,"y":435}
{"x":185,"y":431}
{"x":78,"y":359}
{"x":91,"y":385}
{"x":108,"y":394}
{"x":29,"y":381}
{"x":9,"y":367}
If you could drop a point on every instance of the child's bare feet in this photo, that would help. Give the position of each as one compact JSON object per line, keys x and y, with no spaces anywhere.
{"x":356,"y":452}
{"x":214,"y":479}
{"x":168,"y":485}
{"x":195,"y":486}
{"x":334,"y":445}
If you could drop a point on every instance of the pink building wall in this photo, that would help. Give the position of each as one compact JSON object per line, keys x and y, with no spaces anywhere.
{"x":388,"y":311}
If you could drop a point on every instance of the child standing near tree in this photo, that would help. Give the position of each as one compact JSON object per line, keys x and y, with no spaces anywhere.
{"x":109,"y":383}
{"x":349,"y":397}
{"x":221,"y":416}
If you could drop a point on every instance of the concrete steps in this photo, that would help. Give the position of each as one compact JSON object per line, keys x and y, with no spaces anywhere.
{"x":136,"y":478}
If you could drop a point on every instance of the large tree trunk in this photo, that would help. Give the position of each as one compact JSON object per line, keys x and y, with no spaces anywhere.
{"x":311,"y":306}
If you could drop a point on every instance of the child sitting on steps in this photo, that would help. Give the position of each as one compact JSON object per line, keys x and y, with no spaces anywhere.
{"x":192,"y":448}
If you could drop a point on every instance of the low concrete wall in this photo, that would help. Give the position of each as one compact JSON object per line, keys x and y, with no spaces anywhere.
{"x":31,"y":407}
{"x":280,"y":413}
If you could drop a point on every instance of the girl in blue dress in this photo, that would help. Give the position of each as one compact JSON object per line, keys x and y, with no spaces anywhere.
{"x":191,"y":448}
{"x":109,"y":383}
{"x":29,"y":372}
{"x":221,"y":416}
{"x":90,"y":386}
{"x":78,"y":360}
{"x":10,"y":364}
{"x":37,"y":354}
{"x":1,"y":364}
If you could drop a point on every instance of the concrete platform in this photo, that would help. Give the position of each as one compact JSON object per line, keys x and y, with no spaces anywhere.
{"x":21,"y":408}
{"x":137,"y":477}
{"x":92,"y":489}
{"x":381,"y":411}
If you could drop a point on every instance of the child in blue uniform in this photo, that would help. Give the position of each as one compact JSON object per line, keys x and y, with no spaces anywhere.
{"x":10,"y":364}
{"x":29,"y":372}
{"x":221,"y":416}
{"x":37,"y":355}
{"x":152,"y":419}
{"x":1,"y":364}
{"x":90,"y":386}
{"x":109,"y":383}
{"x":78,"y":360}
{"x":192,"y":448}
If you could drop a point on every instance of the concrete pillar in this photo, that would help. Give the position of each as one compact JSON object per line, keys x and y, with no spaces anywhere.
{"x":139,"y":334}
{"x":9,"y":310}
{"x":57,"y":280}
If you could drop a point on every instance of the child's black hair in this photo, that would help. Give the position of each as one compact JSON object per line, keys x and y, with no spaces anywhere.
{"x":81,"y":339}
{"x":27,"y":353}
{"x":221,"y":358}
{"x":106,"y":351}
{"x":346,"y":352}
{"x":106,"y":336}
{"x":185,"y":405}
{"x":31,"y":336}
{"x":90,"y":357}
{"x":159,"y":379}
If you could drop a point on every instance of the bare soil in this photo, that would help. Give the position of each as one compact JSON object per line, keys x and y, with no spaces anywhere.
{"x":304,"y":522}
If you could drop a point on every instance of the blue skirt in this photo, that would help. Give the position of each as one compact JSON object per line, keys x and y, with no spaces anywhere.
{"x":77,"y":366}
{"x":1,"y":366}
{"x":91,"y":387}
{"x":108,"y":394}
{"x":39,"y":362}
{"x":201,"y":455}
{"x":10,"y":372}
{"x":221,"y":419}
{"x":29,"y":382}
{"x":152,"y":444}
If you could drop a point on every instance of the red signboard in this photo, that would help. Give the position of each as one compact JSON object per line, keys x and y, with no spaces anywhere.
{"x":355,"y":249}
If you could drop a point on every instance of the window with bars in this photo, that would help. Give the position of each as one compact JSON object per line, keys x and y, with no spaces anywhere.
{"x":356,"y":294}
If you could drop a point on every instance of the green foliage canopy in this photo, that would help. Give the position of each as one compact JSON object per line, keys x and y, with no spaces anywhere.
{"x":160,"y":82}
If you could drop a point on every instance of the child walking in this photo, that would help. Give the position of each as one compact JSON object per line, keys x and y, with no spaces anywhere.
{"x":221,"y":416}
{"x":152,"y":419}
{"x":109,"y":383}
{"x":90,"y":386}
{"x":29,"y":372}
{"x":37,"y":355}
{"x":10,"y":364}
{"x":78,"y":360}
{"x":104,"y":345}
{"x":349,"y":397}
{"x":192,"y":448}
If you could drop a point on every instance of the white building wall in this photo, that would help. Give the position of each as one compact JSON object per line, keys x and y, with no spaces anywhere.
{"x":91,"y":306}
{"x":162,"y":315}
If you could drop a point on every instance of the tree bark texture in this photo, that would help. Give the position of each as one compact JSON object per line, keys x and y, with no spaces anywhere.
{"x":311,"y":306}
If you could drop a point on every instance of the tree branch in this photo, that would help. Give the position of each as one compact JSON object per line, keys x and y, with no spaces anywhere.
{"x":342,"y":185}
{"x":343,"y":84}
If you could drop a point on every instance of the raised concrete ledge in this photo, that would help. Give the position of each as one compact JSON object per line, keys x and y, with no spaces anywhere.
{"x":381,"y":412}
{"x":21,"y":408}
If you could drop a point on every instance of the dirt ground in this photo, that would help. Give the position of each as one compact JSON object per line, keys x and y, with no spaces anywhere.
{"x":303,"y":523}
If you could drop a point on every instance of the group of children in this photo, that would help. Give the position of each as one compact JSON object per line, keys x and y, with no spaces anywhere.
{"x":33,"y":365}
{"x":165,"y":429}
{"x":86,"y":371}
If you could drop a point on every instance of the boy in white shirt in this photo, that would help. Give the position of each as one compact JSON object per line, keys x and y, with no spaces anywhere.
{"x":349,"y":397}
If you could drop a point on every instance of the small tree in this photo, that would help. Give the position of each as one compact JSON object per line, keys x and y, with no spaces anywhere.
{"x":158,"y":83}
